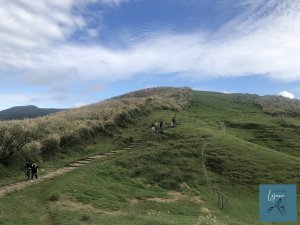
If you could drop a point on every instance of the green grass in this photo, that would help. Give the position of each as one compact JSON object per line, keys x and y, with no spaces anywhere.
{"x":254,"y":148}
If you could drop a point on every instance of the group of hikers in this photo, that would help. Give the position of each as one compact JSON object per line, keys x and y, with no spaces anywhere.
{"x":157,"y":126}
{"x":31,"y":170}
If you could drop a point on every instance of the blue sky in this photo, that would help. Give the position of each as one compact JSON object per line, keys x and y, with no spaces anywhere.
{"x":69,"y":53}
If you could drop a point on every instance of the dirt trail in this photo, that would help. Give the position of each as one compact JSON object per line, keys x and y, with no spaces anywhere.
{"x":72,"y":166}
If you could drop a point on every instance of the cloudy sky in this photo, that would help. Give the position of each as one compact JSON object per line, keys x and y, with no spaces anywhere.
{"x":66,"y":53}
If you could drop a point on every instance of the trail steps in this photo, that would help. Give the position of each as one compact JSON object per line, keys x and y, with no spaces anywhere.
{"x":72,"y":166}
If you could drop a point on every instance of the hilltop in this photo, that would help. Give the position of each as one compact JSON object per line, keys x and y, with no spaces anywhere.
{"x":23,"y":112}
{"x":223,"y":145}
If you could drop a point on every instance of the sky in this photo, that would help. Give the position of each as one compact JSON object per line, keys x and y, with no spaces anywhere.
{"x":69,"y":53}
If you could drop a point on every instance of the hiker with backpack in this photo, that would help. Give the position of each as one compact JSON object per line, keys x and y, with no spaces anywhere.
{"x":161,"y":124}
{"x":28,"y":169}
{"x":34,"y":172}
{"x":173,"y":122}
{"x":153,"y":127}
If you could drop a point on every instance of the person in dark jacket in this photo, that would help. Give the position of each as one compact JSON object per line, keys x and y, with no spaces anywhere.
{"x":174,"y":121}
{"x":28,"y":170}
{"x":161,"y":125}
{"x":34,"y":172}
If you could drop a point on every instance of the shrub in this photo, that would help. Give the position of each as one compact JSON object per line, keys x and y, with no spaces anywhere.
{"x":54,"y":196}
{"x":215,"y":164}
{"x":13,"y":139}
{"x":70,"y":139}
{"x":86,"y":218}
{"x":208,"y":220}
{"x":50,"y":145}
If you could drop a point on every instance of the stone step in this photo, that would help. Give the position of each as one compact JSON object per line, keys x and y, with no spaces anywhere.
{"x":109,"y":153}
{"x":89,"y":159}
{"x":75,"y":165}
{"x":96,"y":157}
{"x":83,"y":161}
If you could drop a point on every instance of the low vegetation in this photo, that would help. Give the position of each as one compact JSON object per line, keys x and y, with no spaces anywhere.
{"x":279,"y":106}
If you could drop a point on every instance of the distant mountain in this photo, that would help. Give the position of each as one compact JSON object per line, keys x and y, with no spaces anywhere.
{"x":22,"y":112}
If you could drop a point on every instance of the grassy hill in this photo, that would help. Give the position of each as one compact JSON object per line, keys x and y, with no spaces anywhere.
{"x":224,"y":144}
{"x":45,"y":137}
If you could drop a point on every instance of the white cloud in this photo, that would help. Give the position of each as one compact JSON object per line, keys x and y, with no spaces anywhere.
{"x":286,"y":94}
{"x":44,"y":100}
{"x":95,"y":87}
{"x":151,"y":86}
{"x":17,"y":98}
{"x":213,"y":90}
{"x":33,"y":45}
{"x":79,"y":105}
{"x":113,"y":2}
{"x":20,"y":99}
{"x":198,"y":89}
{"x":93,"y":32}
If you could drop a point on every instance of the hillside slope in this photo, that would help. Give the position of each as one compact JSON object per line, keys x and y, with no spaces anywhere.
{"x":223,"y":145}
{"x":48,"y":136}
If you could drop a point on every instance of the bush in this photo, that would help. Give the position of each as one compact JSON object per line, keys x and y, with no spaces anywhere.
{"x":32,"y":151}
{"x":13,"y":139}
{"x":86,"y":218}
{"x":215,"y":164}
{"x":122,"y":119}
{"x":170,"y":185}
{"x":68,"y":140}
{"x":50,"y":146}
{"x":54,"y":196}
{"x":86,"y":133}
{"x":208,"y":220}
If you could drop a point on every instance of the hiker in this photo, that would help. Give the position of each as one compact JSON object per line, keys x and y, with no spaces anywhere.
{"x":157,"y":126}
{"x":28,"y":169}
{"x":152,"y":127}
{"x":153,"y":124}
{"x":161,"y":124}
{"x":34,"y":171}
{"x":173,"y":122}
